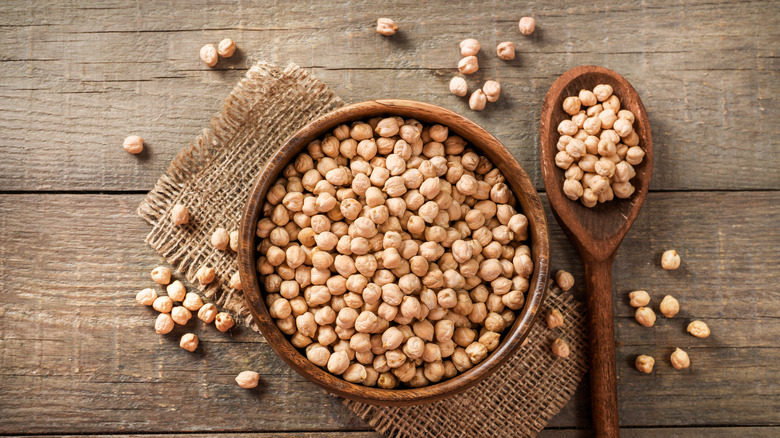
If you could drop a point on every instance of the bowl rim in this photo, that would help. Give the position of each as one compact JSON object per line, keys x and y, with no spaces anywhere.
{"x":479,"y":139}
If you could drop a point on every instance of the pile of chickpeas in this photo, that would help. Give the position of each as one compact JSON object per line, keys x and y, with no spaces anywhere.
{"x":392,"y":254}
{"x":598,"y":147}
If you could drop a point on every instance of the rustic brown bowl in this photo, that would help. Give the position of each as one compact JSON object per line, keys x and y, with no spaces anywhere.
{"x":479,"y":139}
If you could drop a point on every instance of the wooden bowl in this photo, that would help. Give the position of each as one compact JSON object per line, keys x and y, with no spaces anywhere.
{"x":479,"y":139}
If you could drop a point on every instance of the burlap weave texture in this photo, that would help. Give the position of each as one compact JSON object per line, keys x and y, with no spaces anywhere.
{"x":212,"y":177}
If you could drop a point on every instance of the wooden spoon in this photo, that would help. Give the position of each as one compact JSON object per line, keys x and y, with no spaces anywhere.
{"x":598,"y":231}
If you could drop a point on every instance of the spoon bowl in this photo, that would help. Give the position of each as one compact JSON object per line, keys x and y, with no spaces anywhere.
{"x":596,"y":232}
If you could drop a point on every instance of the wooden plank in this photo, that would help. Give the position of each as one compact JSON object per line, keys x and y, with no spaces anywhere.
{"x":75,"y":346}
{"x":673,"y":432}
{"x":75,"y":81}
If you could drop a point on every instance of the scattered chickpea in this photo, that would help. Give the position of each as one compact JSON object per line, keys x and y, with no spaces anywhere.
{"x":180,"y":215}
{"x":161,"y":275}
{"x":699,"y":329}
{"x":234,"y":241}
{"x":527,"y":25}
{"x":468,"y":65}
{"x":670,"y":260}
{"x":386,"y":26}
{"x":478,"y":100}
{"x":469,"y":47}
{"x":680,"y":359}
{"x":506,"y":50}
{"x":224,"y":322}
{"x":208,"y":54}
{"x":220,"y":239}
{"x":163,"y":304}
{"x":226,"y":48}
{"x":560,"y":348}
{"x":554,"y":318}
{"x":564,"y":280}
{"x":638,"y":298}
{"x":192,"y":302}
{"x":189,"y":342}
{"x":205,"y":275}
{"x":458,"y":86}
{"x":645,"y":363}
{"x":669,"y":306}
{"x":645,"y":316}
{"x":207,"y":313}
{"x":163,"y":324}
{"x":176,"y":291}
{"x":180,"y":315}
{"x":235,"y":281}
{"x":492,"y":90}
{"x":248,"y":379}
{"x":133,"y":144}
{"x":146,"y":297}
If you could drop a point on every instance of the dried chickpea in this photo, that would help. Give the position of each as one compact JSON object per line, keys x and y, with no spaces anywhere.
{"x":458,"y":86}
{"x":698,"y":329}
{"x":133,"y":144}
{"x":645,"y":316}
{"x":226,"y":48}
{"x":554,"y":318}
{"x":645,"y":363}
{"x":207,"y":313}
{"x":161,"y":275}
{"x":220,"y":239}
{"x":180,"y":315}
{"x":669,"y":306}
{"x":180,"y":215}
{"x":680,"y":359}
{"x":469,"y":47}
{"x":192,"y":302}
{"x":560,"y":348}
{"x":564,"y":280}
{"x":670,"y":260}
{"x":468,"y":65}
{"x":224,"y":322}
{"x":163,"y":304}
{"x":206,"y":275}
{"x":506,"y":50}
{"x":527,"y":25}
{"x":478,"y":100}
{"x":146,"y":297}
{"x":163,"y":324}
{"x":386,"y":26}
{"x":492,"y":90}
{"x":248,"y":379}
{"x":639,"y":298}
{"x":189,"y":342}
{"x":208,"y":54}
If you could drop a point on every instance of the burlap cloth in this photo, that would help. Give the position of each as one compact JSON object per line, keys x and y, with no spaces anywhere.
{"x":213,"y":176}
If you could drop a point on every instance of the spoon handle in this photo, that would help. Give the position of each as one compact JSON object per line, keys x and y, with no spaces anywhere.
{"x":603,"y":381}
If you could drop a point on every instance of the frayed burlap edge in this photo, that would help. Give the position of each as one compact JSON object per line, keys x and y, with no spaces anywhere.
{"x":212,"y":177}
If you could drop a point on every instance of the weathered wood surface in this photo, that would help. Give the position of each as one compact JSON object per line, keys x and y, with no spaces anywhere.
{"x":75,"y":80}
{"x":670,"y":432}
{"x":80,"y":356}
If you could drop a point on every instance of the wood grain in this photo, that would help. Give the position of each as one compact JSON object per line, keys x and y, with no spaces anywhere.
{"x":74,"y":81}
{"x":80,"y":356}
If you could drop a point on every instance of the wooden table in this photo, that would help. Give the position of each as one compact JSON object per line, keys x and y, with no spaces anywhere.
{"x":79,"y":356}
